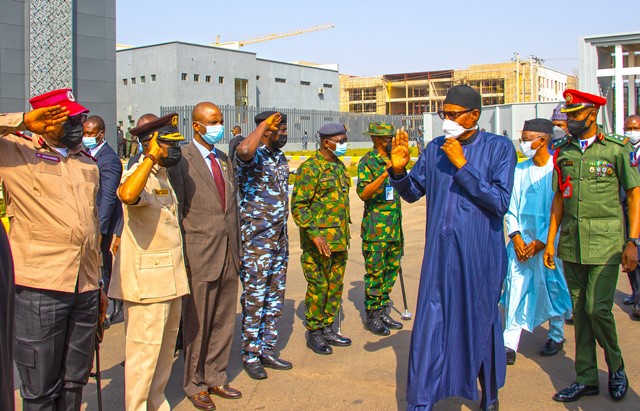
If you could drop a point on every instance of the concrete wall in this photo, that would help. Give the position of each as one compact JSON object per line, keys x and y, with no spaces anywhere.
{"x":13,"y":57}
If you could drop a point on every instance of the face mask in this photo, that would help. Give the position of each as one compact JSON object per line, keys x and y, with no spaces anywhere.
{"x":527,"y":151}
{"x":452,"y":129}
{"x":558,"y":132}
{"x":172,"y":159}
{"x":577,"y":127}
{"x":341,"y":149}
{"x":140,"y":149}
{"x":282,"y":141}
{"x":72,"y":134}
{"x":90,"y":142}
{"x":214,"y":134}
{"x":634,"y":136}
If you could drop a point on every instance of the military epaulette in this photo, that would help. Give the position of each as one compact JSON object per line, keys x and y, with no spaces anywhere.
{"x":622,"y":140}
{"x":559,"y":143}
{"x":40,"y":140}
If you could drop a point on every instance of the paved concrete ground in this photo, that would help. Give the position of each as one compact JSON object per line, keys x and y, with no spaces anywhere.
{"x":371,"y":374}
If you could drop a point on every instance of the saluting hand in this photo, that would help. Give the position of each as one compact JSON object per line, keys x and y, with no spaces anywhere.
{"x":46,"y":121}
{"x":548,"y":257}
{"x":273,"y":121}
{"x":322,"y":246}
{"x":156,"y":149}
{"x":453,"y":149}
{"x":400,"y":151}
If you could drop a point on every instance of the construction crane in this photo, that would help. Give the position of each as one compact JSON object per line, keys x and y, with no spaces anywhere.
{"x":237,"y":44}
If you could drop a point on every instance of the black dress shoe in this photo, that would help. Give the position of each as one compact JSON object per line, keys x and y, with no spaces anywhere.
{"x":636,"y":310}
{"x":317,"y":343}
{"x":575,"y":391}
{"x":495,"y":406}
{"x":117,"y":314}
{"x":629,"y":300}
{"x":270,"y":361}
{"x":569,"y":321}
{"x":333,"y":338}
{"x":618,"y":384}
{"x":388,"y":321}
{"x":551,"y":347}
{"x":511,"y":356}
{"x":255,"y":370}
{"x":375,"y":324}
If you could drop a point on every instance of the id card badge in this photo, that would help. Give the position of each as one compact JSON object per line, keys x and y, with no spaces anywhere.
{"x":388,"y":191}
{"x":568,"y":191}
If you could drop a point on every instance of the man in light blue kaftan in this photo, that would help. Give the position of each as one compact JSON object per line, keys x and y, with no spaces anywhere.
{"x":533,"y":293}
{"x":467,"y":177}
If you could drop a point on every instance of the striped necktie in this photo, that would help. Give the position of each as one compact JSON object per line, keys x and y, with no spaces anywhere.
{"x":218,"y":179}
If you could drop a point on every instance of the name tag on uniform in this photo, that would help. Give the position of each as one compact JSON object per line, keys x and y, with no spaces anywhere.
{"x":162,"y":192}
{"x":388,"y":192}
{"x":48,"y":157}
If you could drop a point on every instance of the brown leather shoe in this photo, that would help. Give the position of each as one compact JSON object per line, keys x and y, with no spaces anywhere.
{"x":203,"y":401}
{"x":225,"y":391}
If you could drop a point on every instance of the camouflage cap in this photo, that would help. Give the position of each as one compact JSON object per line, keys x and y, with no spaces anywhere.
{"x":377,"y":128}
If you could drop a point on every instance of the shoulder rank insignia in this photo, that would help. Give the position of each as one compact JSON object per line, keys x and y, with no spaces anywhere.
{"x":561,"y":142}
{"x":622,"y":140}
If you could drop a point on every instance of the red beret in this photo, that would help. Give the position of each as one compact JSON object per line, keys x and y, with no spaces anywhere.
{"x":63,"y":97}
{"x":577,"y":100}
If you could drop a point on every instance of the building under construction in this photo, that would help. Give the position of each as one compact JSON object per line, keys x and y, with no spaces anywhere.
{"x":415,"y":93}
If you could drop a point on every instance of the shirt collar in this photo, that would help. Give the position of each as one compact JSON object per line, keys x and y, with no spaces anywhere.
{"x":97,"y":148}
{"x":203,"y":150}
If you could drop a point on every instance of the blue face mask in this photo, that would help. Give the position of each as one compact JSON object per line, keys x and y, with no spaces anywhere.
{"x":341,"y":149}
{"x":140,"y":149}
{"x":90,"y":142}
{"x":214,"y":133}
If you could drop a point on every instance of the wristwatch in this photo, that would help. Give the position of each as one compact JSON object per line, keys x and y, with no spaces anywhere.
{"x":515,"y":233}
{"x":635,"y":241}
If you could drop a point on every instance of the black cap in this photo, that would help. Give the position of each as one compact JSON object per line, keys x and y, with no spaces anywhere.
{"x":464,"y":96}
{"x":332,"y":129}
{"x":266,"y":114}
{"x":541,"y":125}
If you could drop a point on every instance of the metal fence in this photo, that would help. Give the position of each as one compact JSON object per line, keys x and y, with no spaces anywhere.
{"x":298,"y":121}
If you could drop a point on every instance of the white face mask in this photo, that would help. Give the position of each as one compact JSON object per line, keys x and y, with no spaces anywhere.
{"x":452,"y":129}
{"x":634,"y":136}
{"x":558,"y":132}
{"x":527,"y":151}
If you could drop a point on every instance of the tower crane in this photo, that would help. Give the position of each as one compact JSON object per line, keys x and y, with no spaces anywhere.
{"x":237,"y":44}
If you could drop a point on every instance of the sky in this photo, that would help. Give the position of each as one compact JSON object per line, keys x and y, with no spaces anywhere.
{"x":383,"y":37}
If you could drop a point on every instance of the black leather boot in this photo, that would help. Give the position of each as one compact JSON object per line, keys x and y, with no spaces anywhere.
{"x":317,"y":343}
{"x":388,"y":321}
{"x":116,"y":316}
{"x":333,"y":338}
{"x":375,"y":324}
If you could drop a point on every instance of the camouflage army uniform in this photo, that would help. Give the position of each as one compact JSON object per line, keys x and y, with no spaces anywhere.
{"x":320,"y":207}
{"x":381,"y":233}
{"x":264,"y":191}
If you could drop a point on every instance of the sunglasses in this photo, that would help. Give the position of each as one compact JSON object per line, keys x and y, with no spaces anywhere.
{"x":452,"y":115}
{"x":77,"y":119}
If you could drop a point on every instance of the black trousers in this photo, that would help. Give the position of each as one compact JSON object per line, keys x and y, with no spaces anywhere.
{"x":107,"y":260}
{"x":54,"y":346}
{"x":6,"y":323}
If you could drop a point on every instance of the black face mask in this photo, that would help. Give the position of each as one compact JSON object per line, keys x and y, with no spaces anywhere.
{"x":577,"y":127}
{"x":175,"y":153}
{"x":72,"y":134}
{"x":282,"y":141}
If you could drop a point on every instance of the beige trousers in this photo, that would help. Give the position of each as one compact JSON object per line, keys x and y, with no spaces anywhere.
{"x":151,"y":331}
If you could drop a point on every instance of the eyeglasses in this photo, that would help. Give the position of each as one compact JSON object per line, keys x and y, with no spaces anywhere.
{"x":452,"y":115}
{"x":77,"y":119}
{"x":530,"y":141}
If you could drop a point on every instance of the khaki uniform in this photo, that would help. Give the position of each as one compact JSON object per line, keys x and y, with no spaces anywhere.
{"x":54,"y":239}
{"x":150,"y":276}
{"x":591,"y":241}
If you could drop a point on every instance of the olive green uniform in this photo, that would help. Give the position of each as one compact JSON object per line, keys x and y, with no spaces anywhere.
{"x":381,"y":233}
{"x":320,"y":207}
{"x":592,"y":240}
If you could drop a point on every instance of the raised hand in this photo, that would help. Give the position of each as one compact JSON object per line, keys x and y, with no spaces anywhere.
{"x":156,"y":149}
{"x":46,"y":121}
{"x":273,"y":121}
{"x":400,"y":151}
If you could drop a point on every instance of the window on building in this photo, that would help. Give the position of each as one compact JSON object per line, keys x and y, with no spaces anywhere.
{"x":220,"y":80}
{"x":196,"y":78}
{"x":361,"y":94}
{"x":124,"y":81}
{"x":369,"y":107}
{"x":207,"y":79}
{"x":257,"y":77}
{"x":133,"y":80}
{"x":327,"y":85}
{"x":143,"y":79}
{"x":153,"y":78}
{"x":184,"y":76}
{"x":305,"y":83}
{"x":281,"y":80}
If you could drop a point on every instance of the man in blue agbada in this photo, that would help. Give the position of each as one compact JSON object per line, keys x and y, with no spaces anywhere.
{"x":467,"y":177}
{"x":533,"y":293}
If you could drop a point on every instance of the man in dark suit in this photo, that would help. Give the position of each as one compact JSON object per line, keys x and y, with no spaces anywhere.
{"x":211,"y":239}
{"x":109,"y":206}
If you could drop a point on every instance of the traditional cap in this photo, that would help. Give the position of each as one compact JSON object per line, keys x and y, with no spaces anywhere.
{"x":377,"y":128}
{"x":332,"y":129}
{"x":577,"y":100}
{"x":266,"y":114}
{"x":558,"y":115}
{"x":63,"y":97}
{"x":464,"y":96}
{"x":541,"y":125}
{"x":165,"y":126}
